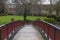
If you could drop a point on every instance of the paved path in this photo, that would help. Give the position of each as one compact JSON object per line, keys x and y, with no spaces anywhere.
{"x":28,"y":33}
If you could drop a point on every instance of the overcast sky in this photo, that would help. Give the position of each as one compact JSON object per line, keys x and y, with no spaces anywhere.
{"x":43,"y":1}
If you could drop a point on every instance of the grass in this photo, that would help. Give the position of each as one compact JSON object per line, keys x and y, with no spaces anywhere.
{"x":7,"y":19}
{"x":33,"y":18}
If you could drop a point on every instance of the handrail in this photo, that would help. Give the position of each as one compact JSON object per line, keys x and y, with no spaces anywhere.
{"x":7,"y":30}
{"x":52,"y":25}
{"x":51,"y":31}
{"x":7,"y":23}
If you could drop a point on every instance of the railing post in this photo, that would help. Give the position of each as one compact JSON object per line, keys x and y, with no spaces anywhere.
{"x":7,"y":33}
{"x":48,"y":32}
{"x":54,"y":33}
{"x":0,"y":33}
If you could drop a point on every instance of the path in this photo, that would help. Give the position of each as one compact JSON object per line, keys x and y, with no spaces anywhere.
{"x":28,"y":33}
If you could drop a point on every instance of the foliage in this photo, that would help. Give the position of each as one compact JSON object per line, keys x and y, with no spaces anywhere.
{"x":2,"y":9}
{"x":58,"y":18}
{"x":52,"y":16}
{"x":50,"y":20}
{"x":10,"y":13}
{"x":57,"y":7}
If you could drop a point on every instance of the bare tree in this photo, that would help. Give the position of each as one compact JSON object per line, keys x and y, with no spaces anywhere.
{"x":57,"y":7}
{"x":50,"y":11}
{"x":2,"y":7}
{"x":40,"y":7}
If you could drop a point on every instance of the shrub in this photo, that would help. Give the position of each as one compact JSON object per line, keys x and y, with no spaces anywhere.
{"x":50,"y":20}
{"x":52,"y":16}
{"x":58,"y":18}
{"x":10,"y":14}
{"x":38,"y":19}
{"x":12,"y":19}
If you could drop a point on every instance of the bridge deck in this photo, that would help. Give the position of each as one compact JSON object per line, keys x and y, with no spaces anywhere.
{"x":28,"y":33}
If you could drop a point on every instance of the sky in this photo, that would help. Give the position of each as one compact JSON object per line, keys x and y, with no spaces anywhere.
{"x":9,"y":1}
{"x":43,"y":1}
{"x":46,"y":2}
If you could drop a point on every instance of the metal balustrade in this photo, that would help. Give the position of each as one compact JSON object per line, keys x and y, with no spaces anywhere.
{"x":7,"y":30}
{"x":50,"y":31}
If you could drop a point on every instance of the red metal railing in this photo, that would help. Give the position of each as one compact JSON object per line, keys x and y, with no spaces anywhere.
{"x":51,"y":31}
{"x":7,"y":29}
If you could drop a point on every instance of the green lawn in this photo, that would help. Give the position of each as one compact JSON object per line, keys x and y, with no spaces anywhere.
{"x":7,"y":19}
{"x":33,"y":18}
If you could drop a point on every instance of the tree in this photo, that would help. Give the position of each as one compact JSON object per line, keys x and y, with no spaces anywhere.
{"x":50,"y":11}
{"x":57,"y":7}
{"x":2,"y":8}
{"x":27,"y":4}
{"x":40,"y":7}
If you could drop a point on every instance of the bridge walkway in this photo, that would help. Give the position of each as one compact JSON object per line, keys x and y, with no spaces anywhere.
{"x":28,"y":32}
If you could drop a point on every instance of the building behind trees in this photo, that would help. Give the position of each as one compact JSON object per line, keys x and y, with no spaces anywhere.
{"x":33,"y":8}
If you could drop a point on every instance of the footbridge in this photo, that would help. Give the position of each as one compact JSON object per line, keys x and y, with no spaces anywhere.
{"x":37,"y":30}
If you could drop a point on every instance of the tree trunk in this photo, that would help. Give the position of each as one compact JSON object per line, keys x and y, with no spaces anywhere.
{"x":25,"y":13}
{"x":50,"y":11}
{"x":2,"y":8}
{"x":57,"y":12}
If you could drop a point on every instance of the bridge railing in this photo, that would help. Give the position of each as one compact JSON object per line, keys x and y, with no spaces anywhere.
{"x":8,"y":29}
{"x":50,"y":31}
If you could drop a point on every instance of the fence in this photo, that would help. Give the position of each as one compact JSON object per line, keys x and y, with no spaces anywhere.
{"x":8,"y":29}
{"x":50,"y":31}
